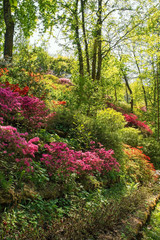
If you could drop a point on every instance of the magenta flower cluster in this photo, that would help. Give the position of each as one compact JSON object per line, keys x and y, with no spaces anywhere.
{"x":34,"y":110}
{"x":60,"y":158}
{"x":9,"y":104}
{"x":31,"y":109}
{"x":15,"y":147}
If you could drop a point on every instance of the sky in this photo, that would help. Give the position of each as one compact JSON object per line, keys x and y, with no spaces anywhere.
{"x":52,"y":43}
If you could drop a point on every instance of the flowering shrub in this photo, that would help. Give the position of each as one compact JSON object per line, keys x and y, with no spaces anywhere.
{"x":138,"y":166}
{"x":60,"y":158}
{"x":14,"y":148}
{"x":16,"y":88}
{"x":65,"y":81}
{"x":59,"y":102}
{"x":13,"y":107}
{"x":131,"y":119}
{"x":10,"y":104}
{"x":34,"y":111}
{"x":3,"y":71}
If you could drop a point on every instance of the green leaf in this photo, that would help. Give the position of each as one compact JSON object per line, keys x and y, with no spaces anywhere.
{"x":13,"y":3}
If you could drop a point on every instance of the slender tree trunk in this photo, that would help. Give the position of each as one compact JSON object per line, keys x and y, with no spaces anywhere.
{"x":155,"y":84}
{"x":127,"y":95}
{"x":143,"y":88}
{"x":77,"y":40}
{"x":94,"y":60}
{"x":97,"y":47}
{"x":99,"y":34}
{"x":115,"y":93}
{"x":8,"y":44}
{"x":158,"y":104}
{"x":129,"y":89}
{"x":85,"y":37}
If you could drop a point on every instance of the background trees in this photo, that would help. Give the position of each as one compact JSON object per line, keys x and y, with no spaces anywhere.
{"x":22,"y":17}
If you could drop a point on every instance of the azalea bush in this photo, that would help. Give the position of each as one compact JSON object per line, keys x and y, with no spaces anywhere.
{"x":62,"y":160}
{"x":132,"y":119}
{"x":16,"y":152}
{"x":18,"y":78}
{"x":16,"y":88}
{"x":30,"y":112}
{"x":139,"y":168}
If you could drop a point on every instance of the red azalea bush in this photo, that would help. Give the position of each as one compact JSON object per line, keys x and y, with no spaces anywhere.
{"x":15,"y":149}
{"x":138,"y":165}
{"x":3,"y":71}
{"x":16,"y":88}
{"x":59,"y":158}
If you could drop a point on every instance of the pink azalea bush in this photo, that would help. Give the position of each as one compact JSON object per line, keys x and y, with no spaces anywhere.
{"x":65,"y":81}
{"x":10,"y":104}
{"x":63,"y":160}
{"x":14,"y":107}
{"x":34,"y":111}
{"x":14,"y":148}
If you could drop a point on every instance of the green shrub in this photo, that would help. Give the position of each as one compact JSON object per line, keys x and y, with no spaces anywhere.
{"x":151,"y":147}
{"x":51,"y":78}
{"x":87,"y":95}
{"x":61,"y":122}
{"x":106,"y":129}
{"x":130,"y":136}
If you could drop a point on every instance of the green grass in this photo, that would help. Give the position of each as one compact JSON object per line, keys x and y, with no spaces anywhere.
{"x":152,"y":230}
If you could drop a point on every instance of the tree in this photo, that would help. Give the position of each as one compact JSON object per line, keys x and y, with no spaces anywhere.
{"x":9,"y":22}
{"x":25,"y":15}
{"x":96,"y":28}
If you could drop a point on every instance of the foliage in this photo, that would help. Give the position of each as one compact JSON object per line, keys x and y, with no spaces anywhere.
{"x":151,"y":147}
{"x":139,"y":169}
{"x":105,"y":128}
{"x":15,"y":108}
{"x":132,"y":119}
{"x":130,"y":136}
{"x":62,"y":120}
{"x":152,"y":231}
{"x":62,"y":65}
{"x":16,"y":152}
{"x":61,"y":160}
{"x":87,"y":95}
{"x":33,"y":59}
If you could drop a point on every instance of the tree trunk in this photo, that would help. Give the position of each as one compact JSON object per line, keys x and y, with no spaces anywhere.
{"x":77,"y":40}
{"x":129,"y":89}
{"x":158,"y":104}
{"x":97,"y":47}
{"x":8,"y":44}
{"x":85,"y":37}
{"x":99,"y":40}
{"x":143,"y":88}
{"x":94,"y":60}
